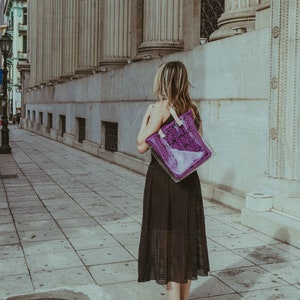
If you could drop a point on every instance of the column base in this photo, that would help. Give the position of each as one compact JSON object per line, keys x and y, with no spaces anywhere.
{"x":232,"y":30}
{"x":156,"y":49}
{"x":111,"y":63}
{"x":64,"y":78}
{"x":234,"y":23}
{"x":85,"y":70}
{"x":5,"y":148}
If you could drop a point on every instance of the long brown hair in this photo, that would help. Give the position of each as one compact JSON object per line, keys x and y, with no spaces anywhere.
{"x":171,"y":83}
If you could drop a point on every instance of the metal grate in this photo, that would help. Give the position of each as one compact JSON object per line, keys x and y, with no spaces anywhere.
{"x":41,"y":118}
{"x":211,"y":10}
{"x":81,"y":129}
{"x":111,"y":136}
{"x":49,"y":120}
{"x":8,"y":176}
{"x":62,"y":125}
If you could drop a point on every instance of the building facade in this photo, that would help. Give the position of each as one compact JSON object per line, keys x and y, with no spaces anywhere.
{"x":89,"y":80}
{"x":16,"y":15}
{"x":3,"y":27}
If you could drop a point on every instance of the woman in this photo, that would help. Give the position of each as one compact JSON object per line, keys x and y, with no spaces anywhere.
{"x":173,"y":249}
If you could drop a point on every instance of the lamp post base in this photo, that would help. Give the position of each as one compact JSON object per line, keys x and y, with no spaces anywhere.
{"x":5,"y":150}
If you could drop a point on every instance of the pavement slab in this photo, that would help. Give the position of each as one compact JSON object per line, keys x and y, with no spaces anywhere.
{"x":70,"y":229}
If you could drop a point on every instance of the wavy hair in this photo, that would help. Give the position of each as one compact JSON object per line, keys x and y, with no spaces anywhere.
{"x":171,"y":83}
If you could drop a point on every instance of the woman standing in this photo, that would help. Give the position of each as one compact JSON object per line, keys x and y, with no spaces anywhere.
{"x":173,"y":248}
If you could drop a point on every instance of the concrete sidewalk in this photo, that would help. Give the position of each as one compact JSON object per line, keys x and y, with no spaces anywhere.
{"x":69,"y":229}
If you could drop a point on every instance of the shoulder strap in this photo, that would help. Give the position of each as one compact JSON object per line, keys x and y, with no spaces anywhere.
{"x":174,"y":115}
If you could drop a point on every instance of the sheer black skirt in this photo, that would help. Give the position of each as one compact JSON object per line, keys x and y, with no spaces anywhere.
{"x":173,"y":243}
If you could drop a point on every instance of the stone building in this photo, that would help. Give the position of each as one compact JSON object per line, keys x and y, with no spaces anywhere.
{"x":90,"y":74}
{"x":3,"y":27}
{"x":16,"y":13}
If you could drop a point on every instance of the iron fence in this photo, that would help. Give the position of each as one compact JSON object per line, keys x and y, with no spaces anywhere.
{"x":211,"y":10}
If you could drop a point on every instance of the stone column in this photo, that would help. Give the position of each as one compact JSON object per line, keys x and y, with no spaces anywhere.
{"x":35,"y":42}
{"x":39,"y":41}
{"x":162,"y":27}
{"x":238,"y":17}
{"x":69,"y":38}
{"x":46,"y":41}
{"x":88,"y":36}
{"x":284,"y":108}
{"x":279,"y":216}
{"x":32,"y":32}
{"x":283,"y":156}
{"x":116,"y":33}
{"x":56,"y":40}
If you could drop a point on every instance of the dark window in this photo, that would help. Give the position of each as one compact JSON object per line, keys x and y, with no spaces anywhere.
{"x":81,"y":129}
{"x":11,"y":23}
{"x":111,"y":136}
{"x":49,"y":125}
{"x":211,"y":10}
{"x":24,"y":44}
{"x":62,"y":125}
{"x":24,"y":15}
{"x":33,"y":116}
{"x":28,"y":114}
{"x":41,"y":118}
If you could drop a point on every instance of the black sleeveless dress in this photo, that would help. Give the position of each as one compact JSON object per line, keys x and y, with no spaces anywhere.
{"x":173,"y":243}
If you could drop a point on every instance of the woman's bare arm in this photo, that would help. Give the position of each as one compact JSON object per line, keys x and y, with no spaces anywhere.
{"x":151,"y":123}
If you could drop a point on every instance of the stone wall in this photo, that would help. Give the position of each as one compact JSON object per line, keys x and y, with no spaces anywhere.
{"x":229,"y":81}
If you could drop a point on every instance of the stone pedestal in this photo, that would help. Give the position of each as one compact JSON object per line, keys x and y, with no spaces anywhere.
{"x":259,"y":201}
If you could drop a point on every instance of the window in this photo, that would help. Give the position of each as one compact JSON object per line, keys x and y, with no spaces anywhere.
{"x":211,"y":10}
{"x":24,"y":15}
{"x":62,"y":125}
{"x":81,"y":129}
{"x":111,"y":136}
{"x":49,"y":121}
{"x":24,"y":48}
{"x":41,"y":118}
{"x":33,"y":116}
{"x":11,"y":23}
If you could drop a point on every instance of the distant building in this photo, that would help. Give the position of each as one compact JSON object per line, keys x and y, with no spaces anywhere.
{"x":2,"y":29}
{"x":90,"y":80}
{"x":16,"y":15}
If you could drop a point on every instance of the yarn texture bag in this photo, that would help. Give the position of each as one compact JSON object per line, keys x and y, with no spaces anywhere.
{"x":178,"y":146}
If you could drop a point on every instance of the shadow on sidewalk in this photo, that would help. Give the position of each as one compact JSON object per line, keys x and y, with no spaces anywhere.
{"x":248,"y":282}
{"x":55,"y":295}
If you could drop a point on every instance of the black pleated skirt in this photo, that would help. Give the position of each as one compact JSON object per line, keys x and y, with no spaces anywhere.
{"x":173,"y":244}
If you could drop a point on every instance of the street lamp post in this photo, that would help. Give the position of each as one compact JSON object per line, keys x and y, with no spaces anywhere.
{"x":5,"y":46}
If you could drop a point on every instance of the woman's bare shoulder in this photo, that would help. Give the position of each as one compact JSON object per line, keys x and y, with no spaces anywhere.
{"x":162,"y":107}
